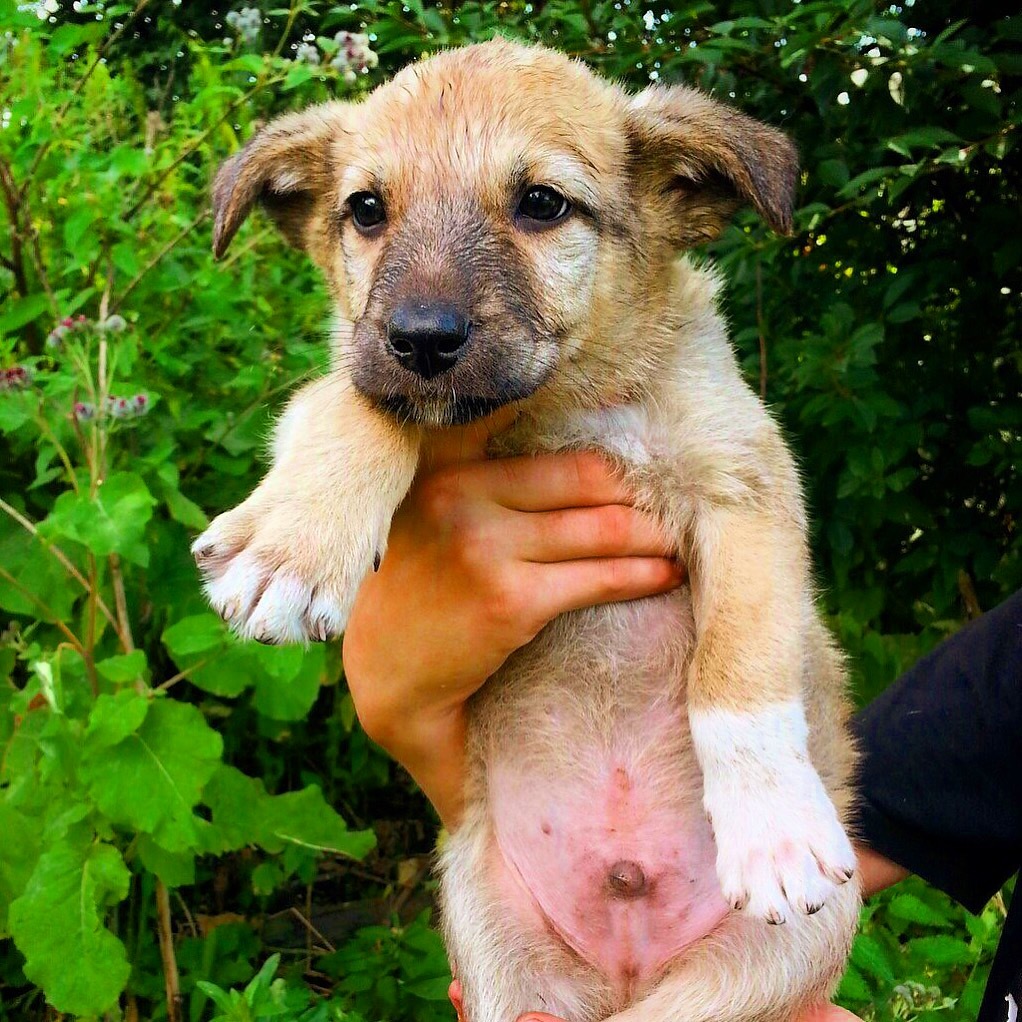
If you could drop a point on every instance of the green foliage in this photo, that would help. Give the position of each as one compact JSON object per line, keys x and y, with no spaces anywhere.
{"x":143,"y":748}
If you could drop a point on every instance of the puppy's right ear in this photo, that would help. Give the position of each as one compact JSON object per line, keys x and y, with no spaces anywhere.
{"x":286,"y":167}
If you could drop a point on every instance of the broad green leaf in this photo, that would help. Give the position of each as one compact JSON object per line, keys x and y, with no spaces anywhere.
{"x":114,"y":718}
{"x":175,"y":869}
{"x":124,"y":668}
{"x":16,"y":312}
{"x":58,"y":925}
{"x":942,"y":949}
{"x":38,"y":575}
{"x":77,"y":226}
{"x":152,"y":779}
{"x":288,"y":682}
{"x":244,"y":814}
{"x":303,"y":818}
{"x":112,"y":522}
{"x":19,"y":850}
{"x":914,"y":910}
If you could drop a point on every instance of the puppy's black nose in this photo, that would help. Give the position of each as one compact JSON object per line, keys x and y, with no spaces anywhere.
{"x":427,"y":337}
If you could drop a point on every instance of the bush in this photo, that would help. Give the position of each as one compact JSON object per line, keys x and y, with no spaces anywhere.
{"x":166,"y":792}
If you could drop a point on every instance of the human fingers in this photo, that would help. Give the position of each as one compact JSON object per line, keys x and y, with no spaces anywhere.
{"x":571,"y":585}
{"x":611,"y":530}
{"x":543,"y":482}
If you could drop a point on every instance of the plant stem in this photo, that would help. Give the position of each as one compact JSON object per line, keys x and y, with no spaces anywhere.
{"x":52,"y":548}
{"x":53,"y":618}
{"x":166,"y":934}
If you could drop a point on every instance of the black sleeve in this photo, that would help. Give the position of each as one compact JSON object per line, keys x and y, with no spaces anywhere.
{"x":941,"y":776}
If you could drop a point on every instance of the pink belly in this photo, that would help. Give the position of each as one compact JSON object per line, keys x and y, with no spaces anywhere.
{"x":621,"y":874}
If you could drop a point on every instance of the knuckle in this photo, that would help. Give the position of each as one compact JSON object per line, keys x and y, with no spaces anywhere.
{"x":505,"y":604}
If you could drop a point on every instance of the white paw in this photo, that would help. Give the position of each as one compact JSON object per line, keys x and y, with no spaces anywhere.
{"x":278,"y":578}
{"x":780,"y":845}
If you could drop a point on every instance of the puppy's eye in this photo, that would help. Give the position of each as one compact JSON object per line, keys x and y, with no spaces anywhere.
{"x":367,"y":210}
{"x":544,"y":205}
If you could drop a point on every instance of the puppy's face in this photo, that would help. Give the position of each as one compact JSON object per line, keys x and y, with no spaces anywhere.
{"x":497,"y":218}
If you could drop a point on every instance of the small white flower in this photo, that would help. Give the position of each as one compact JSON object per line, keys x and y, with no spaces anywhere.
{"x":896,"y":88}
{"x":307,"y":54}
{"x":843,"y":99}
{"x":859,"y":76}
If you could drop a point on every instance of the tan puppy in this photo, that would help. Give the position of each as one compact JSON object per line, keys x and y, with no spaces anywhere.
{"x":498,"y":225}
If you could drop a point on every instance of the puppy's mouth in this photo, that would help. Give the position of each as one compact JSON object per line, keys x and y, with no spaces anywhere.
{"x":494,"y":368}
{"x":453,"y":412}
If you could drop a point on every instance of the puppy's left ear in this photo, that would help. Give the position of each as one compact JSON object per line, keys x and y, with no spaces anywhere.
{"x":701,"y":160}
{"x":286,"y":168}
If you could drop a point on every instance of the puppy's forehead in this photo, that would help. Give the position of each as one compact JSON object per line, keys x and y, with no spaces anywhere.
{"x":486,"y":116}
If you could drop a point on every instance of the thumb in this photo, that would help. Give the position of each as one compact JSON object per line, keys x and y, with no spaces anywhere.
{"x":465,"y":443}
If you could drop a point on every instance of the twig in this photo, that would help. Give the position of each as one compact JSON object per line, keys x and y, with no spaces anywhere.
{"x":119,"y":301}
{"x":292,"y":14}
{"x":54,"y":619}
{"x":171,"y":980}
{"x":29,"y":526}
{"x":188,"y":914}
{"x":121,"y":603}
{"x":968,"y":593}
{"x":307,"y":923}
{"x":181,"y":675}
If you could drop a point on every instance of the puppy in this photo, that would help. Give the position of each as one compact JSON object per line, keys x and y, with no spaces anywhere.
{"x":652,"y":782}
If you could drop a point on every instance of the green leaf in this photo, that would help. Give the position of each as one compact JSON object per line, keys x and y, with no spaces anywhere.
{"x":19,"y":851}
{"x":303,"y":818}
{"x":19,"y":311}
{"x":58,"y":926}
{"x":869,"y":956}
{"x":289,"y":679}
{"x":77,"y":226}
{"x":914,"y":910}
{"x":853,"y":987}
{"x":122,"y":669}
{"x":114,"y":718}
{"x":112,"y":522}
{"x":183,"y":510}
{"x":152,"y":779}
{"x":942,"y":950}
{"x":175,"y":869}
{"x":200,"y":633}
{"x":244,"y":814}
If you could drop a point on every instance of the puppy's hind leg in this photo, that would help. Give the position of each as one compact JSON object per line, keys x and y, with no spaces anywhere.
{"x":747,"y":972}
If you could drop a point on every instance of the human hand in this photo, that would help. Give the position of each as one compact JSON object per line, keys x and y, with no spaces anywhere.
{"x":818,"y":1013}
{"x":482,"y":554}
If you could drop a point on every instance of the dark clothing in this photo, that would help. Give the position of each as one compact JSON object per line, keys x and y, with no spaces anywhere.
{"x":941,"y":778}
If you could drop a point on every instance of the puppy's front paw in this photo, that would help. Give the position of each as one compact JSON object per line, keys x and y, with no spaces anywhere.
{"x":780,"y":845}
{"x":278,"y":574}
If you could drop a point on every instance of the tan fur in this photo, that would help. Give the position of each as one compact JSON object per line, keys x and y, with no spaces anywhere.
{"x":616,"y":346}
